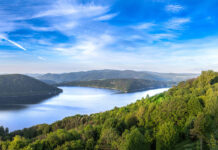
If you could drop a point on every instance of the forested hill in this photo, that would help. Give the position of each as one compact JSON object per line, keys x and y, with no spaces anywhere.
{"x":15,"y":86}
{"x":185,"y":117}
{"x":124,"y":85}
{"x":114,"y":74}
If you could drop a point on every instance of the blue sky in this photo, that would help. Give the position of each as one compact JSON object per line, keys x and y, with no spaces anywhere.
{"x":74,"y":35}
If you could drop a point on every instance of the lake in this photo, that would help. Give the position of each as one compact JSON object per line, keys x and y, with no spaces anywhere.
{"x":73,"y":100}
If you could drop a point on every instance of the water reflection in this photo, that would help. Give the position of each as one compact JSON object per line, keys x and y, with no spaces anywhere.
{"x":73,"y":100}
{"x":17,"y":103}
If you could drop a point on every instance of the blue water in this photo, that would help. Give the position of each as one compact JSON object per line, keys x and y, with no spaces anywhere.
{"x":73,"y":100}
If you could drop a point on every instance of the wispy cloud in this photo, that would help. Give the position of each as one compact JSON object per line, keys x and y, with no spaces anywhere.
{"x":147,"y":57}
{"x":87,"y":46}
{"x":67,"y":8}
{"x":143,"y":26}
{"x":160,"y":36}
{"x":106,"y":17}
{"x":98,"y":34}
{"x":41,"y":58}
{"x":177,"y":23}
{"x":65,"y":16}
{"x":174,"y":8}
{"x":11,"y":21}
{"x":35,"y":28}
{"x":12,"y":42}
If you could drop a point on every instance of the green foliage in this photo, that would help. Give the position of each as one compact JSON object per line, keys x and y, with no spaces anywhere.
{"x":108,"y":139}
{"x":131,"y":120}
{"x":17,"y":143}
{"x":90,"y":144}
{"x":213,"y":143}
{"x":72,"y":145}
{"x":185,"y":117}
{"x":167,"y":134}
{"x":134,"y":140}
{"x":194,"y":106}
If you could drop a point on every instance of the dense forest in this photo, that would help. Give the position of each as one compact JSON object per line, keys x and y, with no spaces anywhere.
{"x":113,"y":74}
{"x":15,"y":88}
{"x":124,"y":85}
{"x":185,"y":117}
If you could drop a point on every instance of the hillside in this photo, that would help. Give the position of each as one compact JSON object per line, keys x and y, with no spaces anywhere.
{"x":185,"y":117}
{"x":124,"y":85}
{"x":114,"y":74}
{"x":16,"y":88}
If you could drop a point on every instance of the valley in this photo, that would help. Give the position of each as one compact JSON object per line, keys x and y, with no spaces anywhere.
{"x":183,"y":117}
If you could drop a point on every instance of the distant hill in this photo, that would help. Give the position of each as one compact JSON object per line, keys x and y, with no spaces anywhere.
{"x":114,"y":74}
{"x":124,"y":85}
{"x":17,"y":88}
{"x":50,"y":82}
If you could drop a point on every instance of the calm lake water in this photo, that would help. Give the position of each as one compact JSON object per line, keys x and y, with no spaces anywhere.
{"x":73,"y":100}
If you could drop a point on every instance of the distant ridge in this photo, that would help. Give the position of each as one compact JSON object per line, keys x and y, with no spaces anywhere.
{"x":114,"y":74}
{"x":123,"y":85}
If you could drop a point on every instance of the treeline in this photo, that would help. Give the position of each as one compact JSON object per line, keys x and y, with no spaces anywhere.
{"x":124,"y":85}
{"x":185,"y":117}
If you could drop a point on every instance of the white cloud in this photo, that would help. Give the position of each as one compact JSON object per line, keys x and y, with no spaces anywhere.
{"x":87,"y":46}
{"x":162,"y":36}
{"x":10,"y":22}
{"x":106,"y":17}
{"x":67,"y":8}
{"x":66,"y":16}
{"x":35,"y":28}
{"x":177,"y":23}
{"x":92,"y":53}
{"x":6,"y":26}
{"x":174,"y":8}
{"x":41,"y":58}
{"x":143,"y":26}
{"x":89,"y":40}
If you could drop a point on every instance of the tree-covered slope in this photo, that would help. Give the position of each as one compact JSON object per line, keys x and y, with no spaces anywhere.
{"x":15,"y":86}
{"x":124,"y":85}
{"x":114,"y":74}
{"x":185,"y":117}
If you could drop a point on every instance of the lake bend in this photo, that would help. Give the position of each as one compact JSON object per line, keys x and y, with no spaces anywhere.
{"x":73,"y":100}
